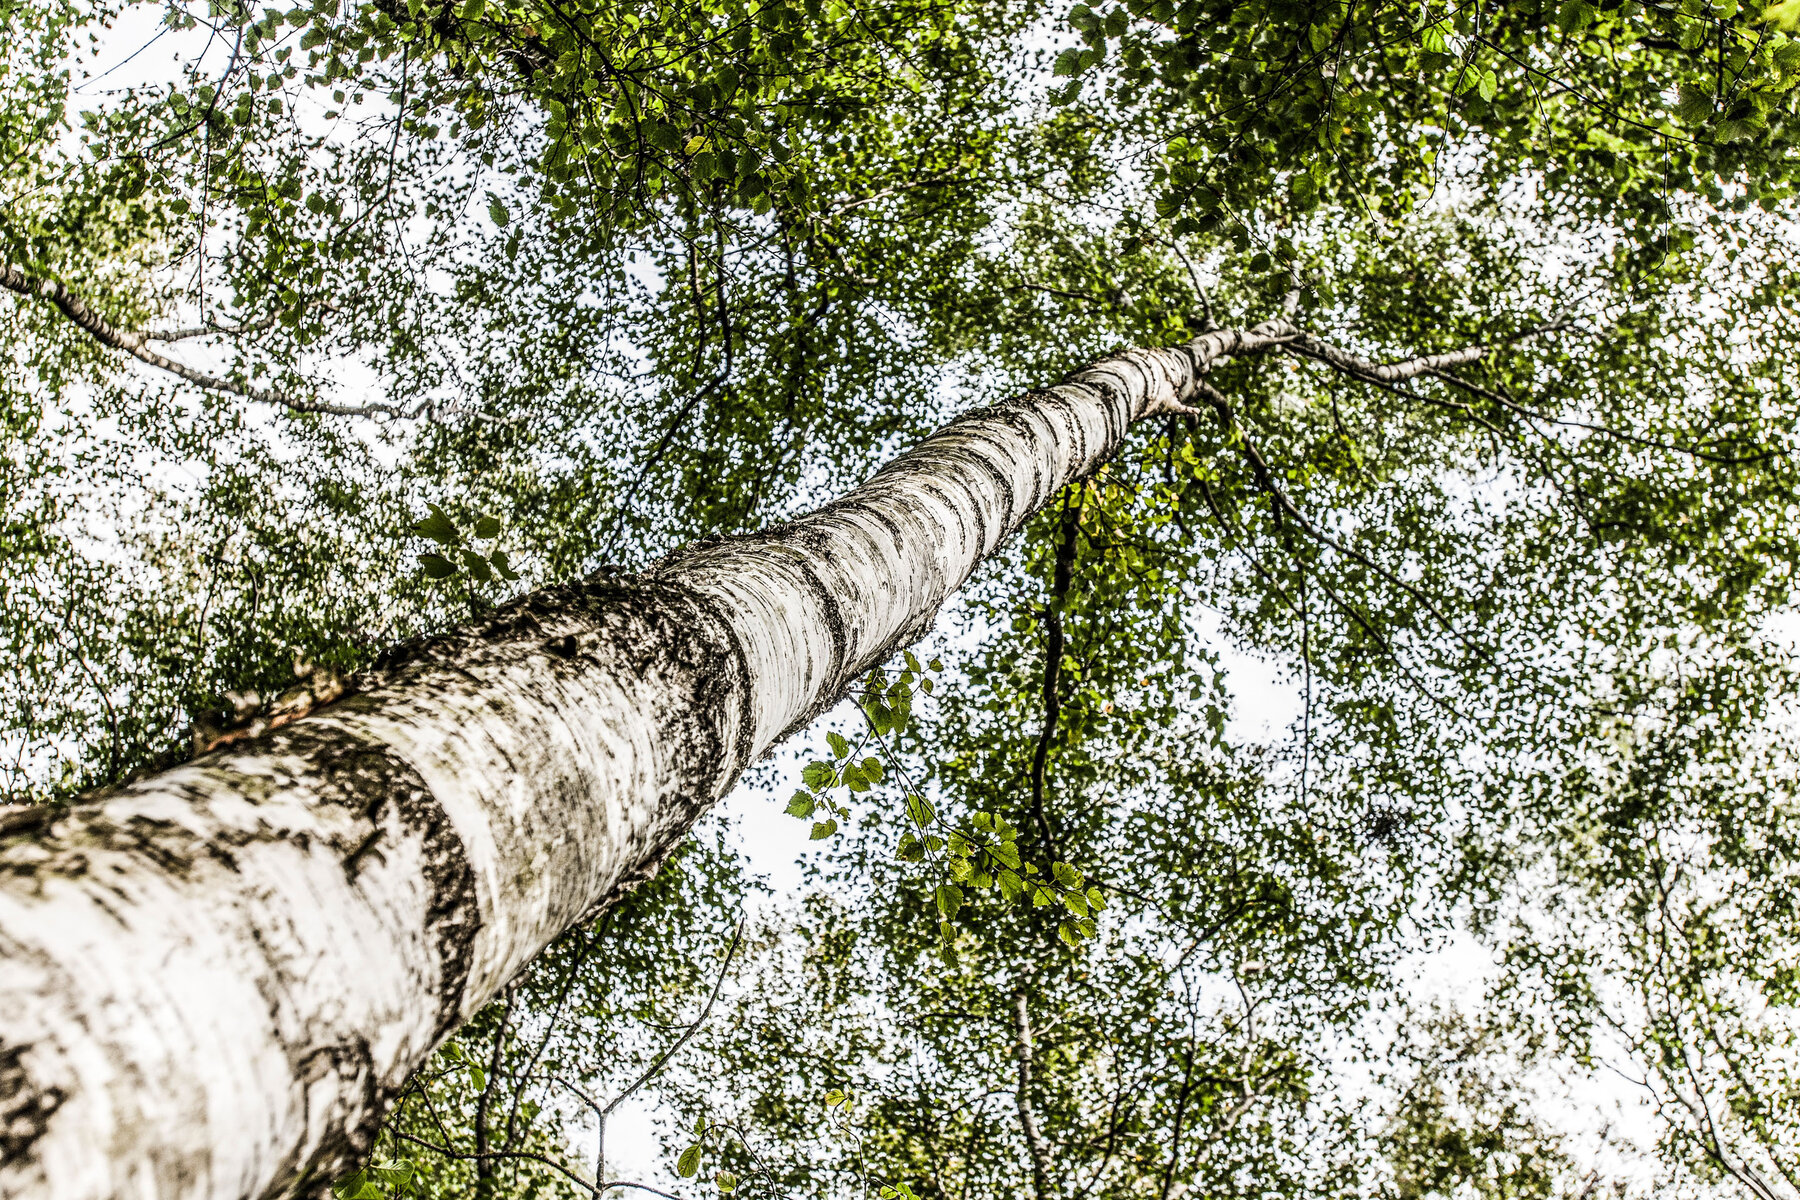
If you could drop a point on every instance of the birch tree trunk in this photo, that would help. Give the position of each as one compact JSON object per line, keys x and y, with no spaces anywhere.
{"x":213,"y":981}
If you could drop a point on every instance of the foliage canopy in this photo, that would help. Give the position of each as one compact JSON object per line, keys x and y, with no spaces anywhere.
{"x":582,"y":279}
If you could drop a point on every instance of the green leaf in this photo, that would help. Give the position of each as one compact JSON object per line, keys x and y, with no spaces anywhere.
{"x":822,"y":830}
{"x":880,"y":716}
{"x":833,"y":1098}
{"x":438,"y":527}
{"x":1069,"y":933}
{"x":802,"y":805}
{"x":355,"y":1186}
{"x":1574,"y":15}
{"x":487,"y":527}
{"x":478,"y":566}
{"x":437,"y":566}
{"x":396,"y":1176}
{"x":1096,"y":899}
{"x":839,"y":747}
{"x":872,"y":769}
{"x":498,"y":558}
{"x":818,"y":774}
{"x":727,"y":1181}
{"x":688,"y":1165}
{"x":1066,"y":875}
{"x":949,"y":899}
{"x":1693,"y":104}
{"x":478,"y":1077}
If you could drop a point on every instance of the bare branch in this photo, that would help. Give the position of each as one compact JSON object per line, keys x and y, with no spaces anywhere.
{"x":1505,"y":401}
{"x":1362,"y":368}
{"x":210,"y":329}
{"x":134,"y":342}
{"x":1265,"y":478}
{"x":700,"y":1020}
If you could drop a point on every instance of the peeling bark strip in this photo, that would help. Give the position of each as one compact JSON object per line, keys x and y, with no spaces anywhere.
{"x":212,"y":981}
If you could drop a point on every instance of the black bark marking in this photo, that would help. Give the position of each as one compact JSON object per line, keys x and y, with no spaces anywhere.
{"x":880,"y":517}
{"x":25,"y":1108}
{"x":25,"y":822}
{"x":716,"y":671}
{"x":1009,"y":507}
{"x":656,"y":622}
{"x":737,"y":680}
{"x":951,"y":503}
{"x":60,"y":840}
{"x":369,"y":778}
{"x":978,"y":453}
{"x":1074,"y":430}
{"x":830,"y":609}
{"x":344,"y":1144}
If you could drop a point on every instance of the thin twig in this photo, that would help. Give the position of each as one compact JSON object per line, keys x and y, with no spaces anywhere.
{"x":718,"y":985}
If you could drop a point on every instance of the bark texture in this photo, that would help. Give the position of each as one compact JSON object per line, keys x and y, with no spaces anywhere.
{"x":213,"y":980}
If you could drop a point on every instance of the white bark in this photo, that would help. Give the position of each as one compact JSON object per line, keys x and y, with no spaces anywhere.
{"x":1024,"y":1051}
{"x":212,"y":981}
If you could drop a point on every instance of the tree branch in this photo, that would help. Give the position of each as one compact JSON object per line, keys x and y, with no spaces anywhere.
{"x":214,"y":329}
{"x":135,"y":343}
{"x":1362,"y":368}
{"x":666,"y":1055}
